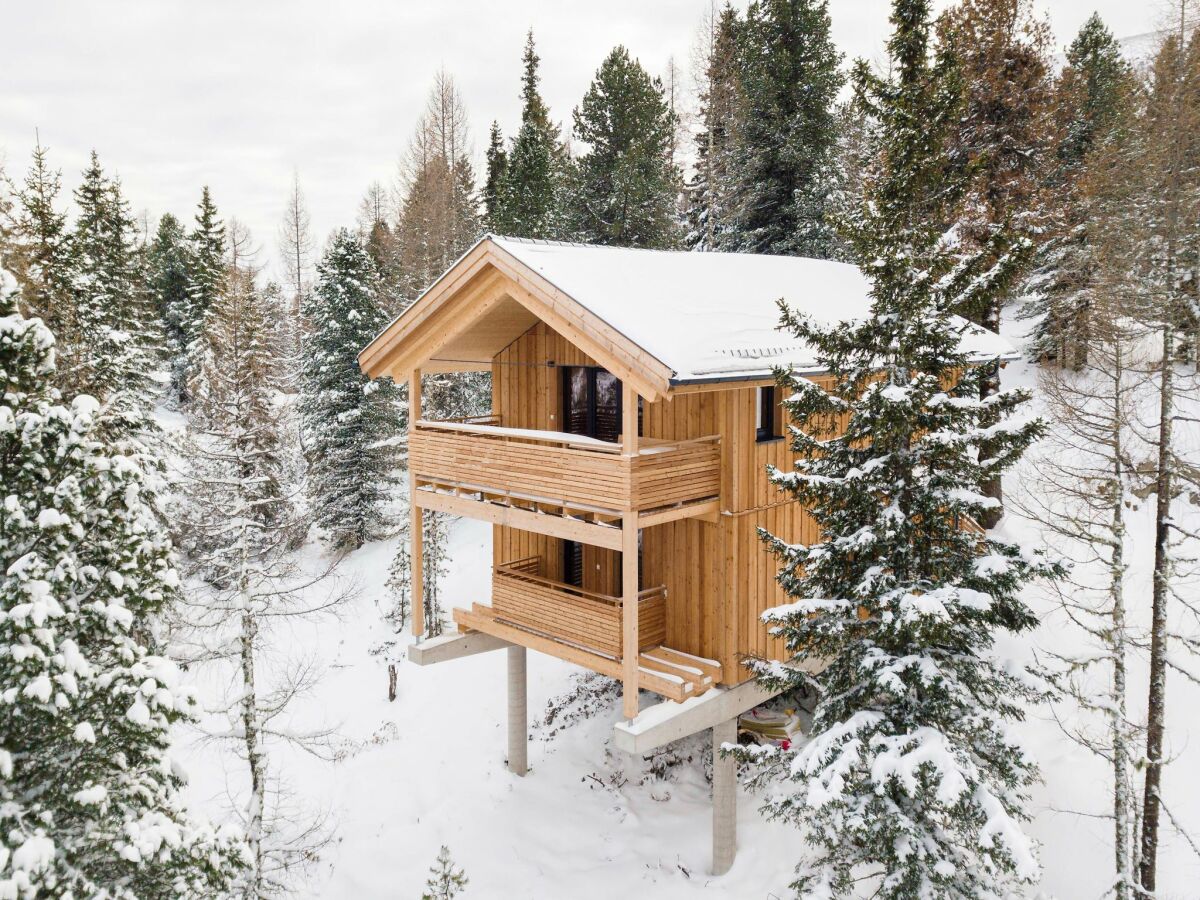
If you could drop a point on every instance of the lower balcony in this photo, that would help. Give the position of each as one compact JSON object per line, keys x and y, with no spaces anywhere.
{"x":584,"y":627}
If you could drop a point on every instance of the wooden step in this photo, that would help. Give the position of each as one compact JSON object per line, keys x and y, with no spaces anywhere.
{"x":670,"y":673}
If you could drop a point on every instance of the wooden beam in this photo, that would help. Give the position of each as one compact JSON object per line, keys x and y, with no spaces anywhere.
{"x":669,"y":721}
{"x":629,"y":615}
{"x":453,"y":646}
{"x":629,"y":420}
{"x":708,"y":510}
{"x":540,"y":523}
{"x":416,"y":517}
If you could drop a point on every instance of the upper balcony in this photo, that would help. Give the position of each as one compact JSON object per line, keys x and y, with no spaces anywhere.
{"x":591,"y":482}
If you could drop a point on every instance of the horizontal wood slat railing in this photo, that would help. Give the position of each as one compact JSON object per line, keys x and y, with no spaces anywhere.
{"x":523,"y":596}
{"x":565,"y":469}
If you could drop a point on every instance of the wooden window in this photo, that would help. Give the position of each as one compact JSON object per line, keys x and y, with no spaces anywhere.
{"x":592,"y":403}
{"x":768,"y":415}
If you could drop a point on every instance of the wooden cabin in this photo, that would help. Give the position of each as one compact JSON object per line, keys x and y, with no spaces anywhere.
{"x":623,"y":463}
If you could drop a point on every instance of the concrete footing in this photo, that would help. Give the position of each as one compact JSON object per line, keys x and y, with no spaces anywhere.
{"x":518,"y":713}
{"x":724,"y":827}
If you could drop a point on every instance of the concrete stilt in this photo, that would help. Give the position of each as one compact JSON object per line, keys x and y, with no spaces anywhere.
{"x":724,"y":828}
{"x":518,"y":713}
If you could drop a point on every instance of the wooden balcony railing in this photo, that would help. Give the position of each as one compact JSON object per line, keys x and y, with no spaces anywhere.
{"x":562,"y":468}
{"x":523,"y":596}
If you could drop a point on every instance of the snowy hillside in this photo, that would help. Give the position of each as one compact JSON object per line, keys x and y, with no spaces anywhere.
{"x":429,"y":768}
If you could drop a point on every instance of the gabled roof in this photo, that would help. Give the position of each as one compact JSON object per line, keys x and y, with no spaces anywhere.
{"x":689,"y":317}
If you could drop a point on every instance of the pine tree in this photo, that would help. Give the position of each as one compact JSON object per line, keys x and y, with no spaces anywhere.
{"x":1092,"y":102}
{"x":439,"y":220}
{"x":295,"y":249}
{"x":243,"y":520}
{"x":439,"y":215}
{"x":790,"y":78}
{"x":1080,"y":492}
{"x":119,"y":337}
{"x":89,"y":799}
{"x":531,"y":190}
{"x":625,"y":186}
{"x":446,"y":879}
{"x":497,"y":165}
{"x":43,"y":241}
{"x":380,"y":238}
{"x":711,"y":215}
{"x":436,"y":560}
{"x":170,"y":271}
{"x":205,"y":282}
{"x":1002,"y":51}
{"x":911,"y":784}
{"x":348,"y":421}
{"x":1152,"y":251}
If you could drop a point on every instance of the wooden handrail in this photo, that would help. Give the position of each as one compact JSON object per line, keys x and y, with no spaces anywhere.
{"x":518,"y":569}
{"x":487,"y":427}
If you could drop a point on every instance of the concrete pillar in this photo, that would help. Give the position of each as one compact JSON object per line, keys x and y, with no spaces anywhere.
{"x":518,"y":713}
{"x":724,"y":828}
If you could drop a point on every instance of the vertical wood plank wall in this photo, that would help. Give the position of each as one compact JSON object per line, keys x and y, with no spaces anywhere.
{"x":719,"y":577}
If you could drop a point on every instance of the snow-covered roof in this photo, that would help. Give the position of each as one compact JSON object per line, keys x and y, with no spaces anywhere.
{"x":712,"y":316}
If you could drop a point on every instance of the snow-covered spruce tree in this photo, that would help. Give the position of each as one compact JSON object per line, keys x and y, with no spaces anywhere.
{"x":789,"y":80}
{"x":120,"y":339}
{"x":531,"y":191}
{"x":446,"y":880}
{"x":1092,"y":100}
{"x":496,"y":160}
{"x":624,"y":187}
{"x":710,"y":193}
{"x":910,"y":784}
{"x":242,"y":524}
{"x":44,"y":256}
{"x":89,"y":798}
{"x":205,"y":282}
{"x":170,"y":271}
{"x":348,"y":421}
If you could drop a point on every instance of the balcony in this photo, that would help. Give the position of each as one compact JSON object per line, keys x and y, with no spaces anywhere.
{"x":564,"y":475}
{"x":523,"y":596}
{"x":584,"y":627}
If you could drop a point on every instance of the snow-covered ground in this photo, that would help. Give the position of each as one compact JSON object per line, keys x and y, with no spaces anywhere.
{"x":429,"y":770}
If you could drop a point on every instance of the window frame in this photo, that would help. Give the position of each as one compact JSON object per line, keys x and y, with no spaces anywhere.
{"x":768,"y":418}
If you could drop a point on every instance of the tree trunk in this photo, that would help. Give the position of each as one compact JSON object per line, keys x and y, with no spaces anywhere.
{"x":991,"y":385}
{"x":1156,"y":707}
{"x":254,"y":757}
{"x":1122,"y":803}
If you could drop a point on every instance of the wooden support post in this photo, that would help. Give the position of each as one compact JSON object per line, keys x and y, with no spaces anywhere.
{"x":417,"y":517}
{"x":518,"y":713}
{"x":724,"y":827}
{"x":629,"y":566}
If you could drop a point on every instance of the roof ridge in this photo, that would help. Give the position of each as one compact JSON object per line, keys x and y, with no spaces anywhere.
{"x":548,"y":242}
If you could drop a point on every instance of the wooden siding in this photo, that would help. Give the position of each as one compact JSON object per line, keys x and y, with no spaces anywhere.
{"x":719,"y":577}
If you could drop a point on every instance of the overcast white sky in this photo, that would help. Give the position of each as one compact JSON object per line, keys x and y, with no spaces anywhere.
{"x":238,"y":93}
